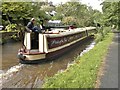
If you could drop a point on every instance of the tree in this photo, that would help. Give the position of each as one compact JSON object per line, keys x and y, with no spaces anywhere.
{"x":110,"y":11}
{"x":21,"y":12}
{"x":69,"y":20}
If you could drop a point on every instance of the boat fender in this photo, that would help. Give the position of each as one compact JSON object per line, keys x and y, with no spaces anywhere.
{"x":21,"y":57}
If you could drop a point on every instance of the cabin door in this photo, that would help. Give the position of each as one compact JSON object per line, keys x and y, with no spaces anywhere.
{"x":34,"y":40}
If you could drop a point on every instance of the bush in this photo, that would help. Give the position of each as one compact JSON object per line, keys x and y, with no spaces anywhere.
{"x":102,"y":32}
{"x":14,"y":37}
{"x":70,"y":20}
{"x":11,"y":27}
{"x":106,"y":30}
{"x":2,"y":41}
{"x":98,"y":38}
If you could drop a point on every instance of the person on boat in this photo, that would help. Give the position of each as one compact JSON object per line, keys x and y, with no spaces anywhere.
{"x":23,"y":49}
{"x":31,"y":26}
{"x":42,"y":25}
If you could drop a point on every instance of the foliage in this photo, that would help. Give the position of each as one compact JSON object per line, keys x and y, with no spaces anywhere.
{"x":81,"y":14}
{"x":83,"y":73}
{"x":111,"y":13}
{"x":106,"y":30}
{"x":98,"y":37}
{"x":16,"y":10}
{"x":14,"y":37}
{"x":69,"y":20}
{"x":47,"y":8}
{"x":20,"y":12}
{"x":2,"y":41}
{"x":102,"y":32}
{"x":11,"y":27}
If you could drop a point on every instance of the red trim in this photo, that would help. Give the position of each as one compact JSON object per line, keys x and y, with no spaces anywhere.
{"x":29,"y":52}
{"x":34,"y":53}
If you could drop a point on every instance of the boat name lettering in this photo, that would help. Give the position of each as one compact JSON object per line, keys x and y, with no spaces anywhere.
{"x":55,"y":42}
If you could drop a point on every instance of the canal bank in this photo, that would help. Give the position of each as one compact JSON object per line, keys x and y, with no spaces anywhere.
{"x":82,"y":73}
{"x":8,"y":36}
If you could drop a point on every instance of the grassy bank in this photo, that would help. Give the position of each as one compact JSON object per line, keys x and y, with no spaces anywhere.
{"x":83,"y":73}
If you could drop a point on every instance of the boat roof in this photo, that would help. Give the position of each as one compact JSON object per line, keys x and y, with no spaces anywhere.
{"x":54,"y":21}
{"x":63,"y":32}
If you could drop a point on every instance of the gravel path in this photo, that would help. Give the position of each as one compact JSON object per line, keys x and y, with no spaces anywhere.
{"x":110,"y":77}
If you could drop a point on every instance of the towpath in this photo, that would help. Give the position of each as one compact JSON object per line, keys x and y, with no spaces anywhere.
{"x":110,"y":73}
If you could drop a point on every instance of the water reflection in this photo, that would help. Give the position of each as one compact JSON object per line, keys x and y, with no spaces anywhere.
{"x":9,"y":52}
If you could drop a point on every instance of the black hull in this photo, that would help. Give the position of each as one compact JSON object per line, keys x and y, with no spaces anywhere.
{"x":33,"y":61}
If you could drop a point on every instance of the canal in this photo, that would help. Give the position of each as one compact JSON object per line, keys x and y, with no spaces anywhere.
{"x":16,"y":75}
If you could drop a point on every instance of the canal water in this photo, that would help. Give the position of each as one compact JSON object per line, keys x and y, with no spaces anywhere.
{"x":16,"y":75}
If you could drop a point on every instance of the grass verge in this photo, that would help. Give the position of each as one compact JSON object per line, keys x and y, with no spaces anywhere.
{"x":83,"y":73}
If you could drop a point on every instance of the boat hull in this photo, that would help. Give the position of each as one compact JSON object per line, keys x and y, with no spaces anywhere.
{"x":55,"y":54}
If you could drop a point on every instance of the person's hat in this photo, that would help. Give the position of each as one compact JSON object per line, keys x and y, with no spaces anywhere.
{"x":32,"y":19}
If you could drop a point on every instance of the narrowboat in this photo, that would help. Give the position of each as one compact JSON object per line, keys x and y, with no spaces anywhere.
{"x":39,"y":47}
